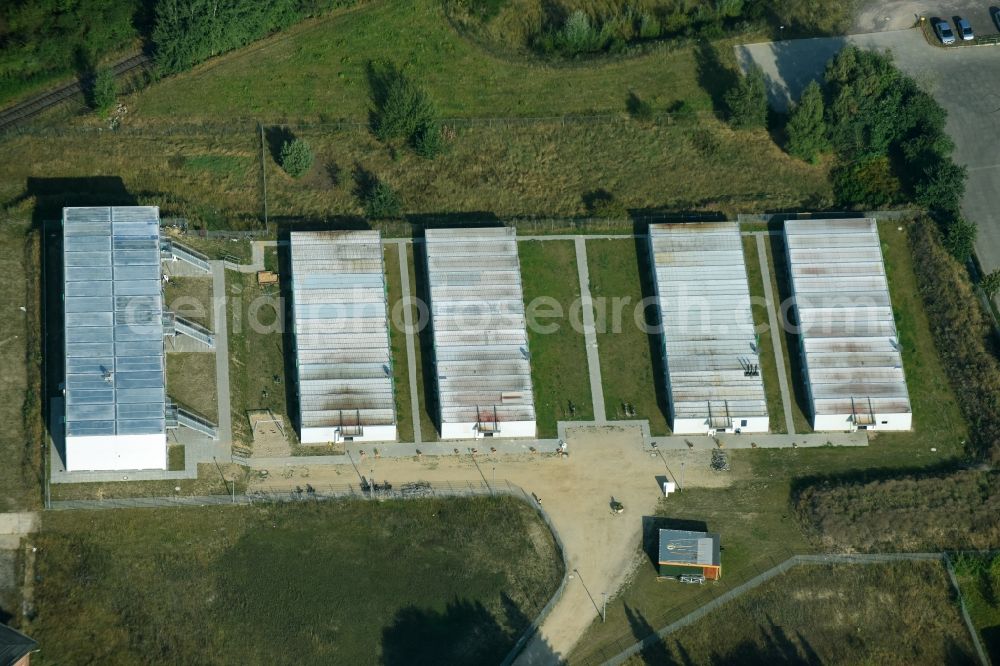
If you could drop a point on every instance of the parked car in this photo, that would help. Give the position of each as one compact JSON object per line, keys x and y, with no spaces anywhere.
{"x":964,"y":29}
{"x":944,"y":32}
{"x":995,"y":13}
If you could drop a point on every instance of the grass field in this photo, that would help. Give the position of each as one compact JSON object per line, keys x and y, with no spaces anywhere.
{"x":397,"y":340}
{"x":901,"y":613}
{"x":979,"y":578}
{"x":558,"y":358}
{"x":354,"y":582}
{"x":191,"y":298}
{"x":191,"y":382}
{"x":768,"y":366}
{"x":258,"y":353}
{"x":208,"y":482}
{"x":631,"y":363}
{"x":754,"y":514}
{"x":21,"y":358}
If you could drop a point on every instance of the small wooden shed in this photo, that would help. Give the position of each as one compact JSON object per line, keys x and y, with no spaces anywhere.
{"x":689,"y":555}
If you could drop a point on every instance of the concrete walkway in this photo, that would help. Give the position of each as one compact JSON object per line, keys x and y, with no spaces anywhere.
{"x":772,"y":320}
{"x":411,"y":350}
{"x":219,"y":316}
{"x":590,"y":331}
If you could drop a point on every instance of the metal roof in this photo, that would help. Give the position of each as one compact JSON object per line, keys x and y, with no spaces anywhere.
{"x":341,"y":329}
{"x":113,"y":321}
{"x":707,"y":325}
{"x":684,"y":547}
{"x":477,"y":315}
{"x":14,"y":646}
{"x":847,"y":331}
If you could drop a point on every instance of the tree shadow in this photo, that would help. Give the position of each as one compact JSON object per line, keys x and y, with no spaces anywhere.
{"x":364,"y":181}
{"x":425,"y":334}
{"x":465,"y":632}
{"x":657,"y":654}
{"x":714,"y":76}
{"x":276,"y":136}
{"x":774,"y":647}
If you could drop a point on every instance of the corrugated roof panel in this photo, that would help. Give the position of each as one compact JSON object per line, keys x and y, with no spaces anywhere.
{"x":849,"y":339}
{"x":109,"y":379}
{"x":341,"y":329}
{"x":708,"y":328}
{"x":477,"y":316}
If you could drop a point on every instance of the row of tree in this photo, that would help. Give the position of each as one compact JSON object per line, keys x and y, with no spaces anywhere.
{"x":887,"y":135}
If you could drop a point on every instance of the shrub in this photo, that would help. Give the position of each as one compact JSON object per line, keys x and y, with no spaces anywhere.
{"x":296,"y":157}
{"x":428,"y":140}
{"x":960,"y":239}
{"x":579,"y":35}
{"x":382,"y":202}
{"x":990,"y":283}
{"x":940,"y":185}
{"x":960,"y":332}
{"x":747,"y":100}
{"x":649,"y":26}
{"x":865,"y":183}
{"x":806,"y":127}
{"x":639,"y":108}
{"x":103,"y":90}
{"x":603,"y":204}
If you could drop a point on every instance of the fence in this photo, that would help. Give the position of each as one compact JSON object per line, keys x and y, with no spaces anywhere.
{"x":695,"y":609}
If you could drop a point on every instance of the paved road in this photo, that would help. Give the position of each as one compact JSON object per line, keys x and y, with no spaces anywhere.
{"x":966,"y":81}
{"x":590,"y":331}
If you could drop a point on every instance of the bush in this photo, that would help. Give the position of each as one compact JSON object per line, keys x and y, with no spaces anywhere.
{"x":103,"y":90}
{"x":867,"y":183}
{"x":747,"y":100}
{"x":960,"y":332}
{"x":909,"y":513}
{"x":806,"y":127}
{"x":960,"y":239}
{"x":428,"y":140}
{"x":639,"y":108}
{"x":940,"y":185}
{"x":382,"y":202}
{"x":990,"y":283}
{"x":579,"y":35}
{"x":296,"y":157}
{"x":603,"y":204}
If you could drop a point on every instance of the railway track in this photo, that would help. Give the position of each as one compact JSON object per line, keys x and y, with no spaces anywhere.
{"x":29,"y":108}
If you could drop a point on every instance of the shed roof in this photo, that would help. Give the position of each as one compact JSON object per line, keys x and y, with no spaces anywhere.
{"x":477,"y":315}
{"x":341,"y":329}
{"x":14,"y":645}
{"x":113,"y":321}
{"x":848,"y":332}
{"x":684,"y":547}
{"x":707,"y":324}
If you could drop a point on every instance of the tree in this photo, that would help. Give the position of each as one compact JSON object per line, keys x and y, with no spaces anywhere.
{"x":428,"y":140}
{"x":747,"y":100}
{"x":103,"y":90}
{"x":990,"y":284}
{"x":960,"y":238}
{"x":382,"y":202}
{"x":941,"y":185}
{"x":404,"y":111}
{"x":296,"y":157}
{"x":807,"y":128}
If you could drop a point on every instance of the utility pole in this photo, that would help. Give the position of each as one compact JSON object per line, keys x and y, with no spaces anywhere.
{"x":604,"y":606}
{"x":494,"y":479}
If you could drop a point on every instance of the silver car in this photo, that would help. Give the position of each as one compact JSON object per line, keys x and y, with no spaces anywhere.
{"x":944,"y":32}
{"x":964,"y":29}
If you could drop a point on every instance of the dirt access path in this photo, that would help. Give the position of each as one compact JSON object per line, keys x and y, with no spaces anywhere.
{"x":601,"y":548}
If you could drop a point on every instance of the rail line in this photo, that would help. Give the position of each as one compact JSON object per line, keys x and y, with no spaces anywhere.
{"x":30,"y":108}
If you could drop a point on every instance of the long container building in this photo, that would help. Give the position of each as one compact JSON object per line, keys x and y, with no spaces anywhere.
{"x":480,"y":338}
{"x":341,"y":328}
{"x":847,"y":336}
{"x":115,"y":396}
{"x":709,"y":344}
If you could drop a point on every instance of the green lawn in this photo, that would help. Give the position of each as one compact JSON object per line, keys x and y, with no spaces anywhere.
{"x":399,"y":582}
{"x":259,"y":353}
{"x":631,"y":362}
{"x":175,"y":457}
{"x":559,"y":371}
{"x":397,"y":342}
{"x":191,"y":298}
{"x":900,"y":613}
{"x":979,"y":579}
{"x":191,"y":382}
{"x":318,"y":70}
{"x":782,"y":290}
{"x":754,"y":515}
{"x":21,"y":358}
{"x":768,"y":367}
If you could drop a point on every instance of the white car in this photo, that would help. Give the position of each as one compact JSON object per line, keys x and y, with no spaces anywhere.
{"x":944,"y":32}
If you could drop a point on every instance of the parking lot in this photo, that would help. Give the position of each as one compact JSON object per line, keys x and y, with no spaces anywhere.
{"x":965,"y":80}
